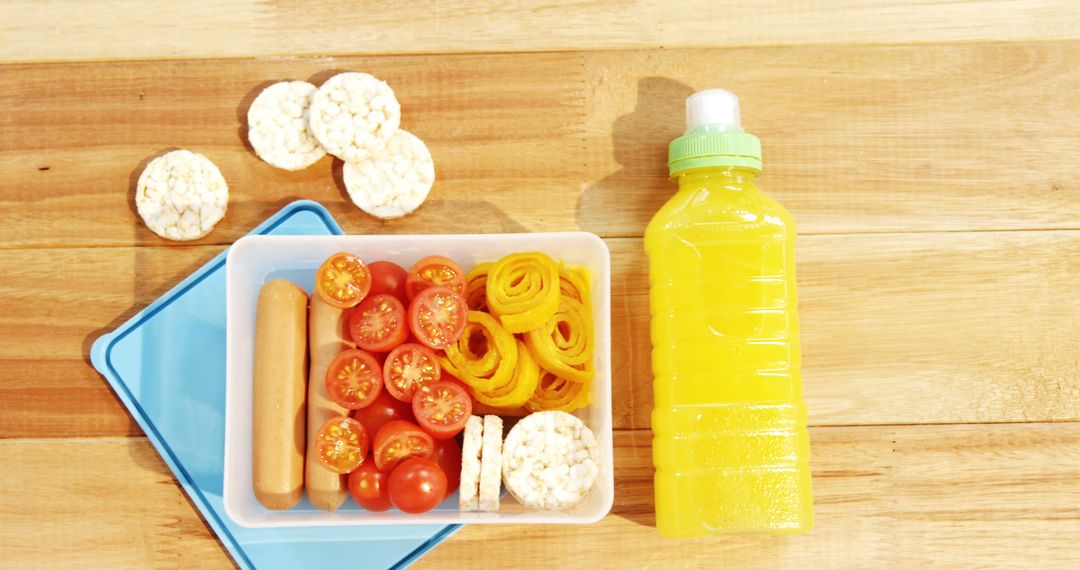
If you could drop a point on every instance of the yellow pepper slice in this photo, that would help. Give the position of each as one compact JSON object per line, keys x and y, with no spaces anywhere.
{"x":558,"y":394}
{"x":564,"y":345}
{"x":523,"y":290}
{"x":523,"y":383}
{"x":574,"y":283}
{"x":476,"y":286}
{"x":485,"y":356}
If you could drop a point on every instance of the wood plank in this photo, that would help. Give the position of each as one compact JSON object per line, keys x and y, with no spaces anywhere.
{"x":115,"y":29}
{"x":985,"y":322}
{"x":883,"y":139}
{"x":115,"y":506}
{"x":884,"y":497}
{"x":889,"y":141}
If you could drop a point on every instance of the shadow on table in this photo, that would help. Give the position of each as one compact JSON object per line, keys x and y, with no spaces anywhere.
{"x":625,"y":200}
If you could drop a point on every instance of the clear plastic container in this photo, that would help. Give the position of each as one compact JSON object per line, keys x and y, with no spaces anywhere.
{"x":256,"y":259}
{"x":730,"y":444}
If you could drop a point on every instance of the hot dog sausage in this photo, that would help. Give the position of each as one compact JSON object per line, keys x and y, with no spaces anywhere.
{"x":325,"y":489}
{"x":278,"y":392}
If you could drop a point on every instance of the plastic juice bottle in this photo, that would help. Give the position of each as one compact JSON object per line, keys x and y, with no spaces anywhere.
{"x":730,"y":445}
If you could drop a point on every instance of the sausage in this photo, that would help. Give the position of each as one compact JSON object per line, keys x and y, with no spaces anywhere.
{"x":278,"y":391}
{"x":325,"y":489}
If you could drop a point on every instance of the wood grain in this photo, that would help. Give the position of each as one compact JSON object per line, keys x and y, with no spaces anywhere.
{"x":986,"y":322}
{"x":987,"y":496}
{"x":115,"y":29}
{"x":559,"y":141}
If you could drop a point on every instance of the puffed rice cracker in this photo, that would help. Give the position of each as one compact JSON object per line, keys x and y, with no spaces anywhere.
{"x":470,"y":464}
{"x":491,"y":464}
{"x":353,"y":115}
{"x":550,"y":460}
{"x":278,"y":126}
{"x":181,"y":195}
{"x":395,"y":180}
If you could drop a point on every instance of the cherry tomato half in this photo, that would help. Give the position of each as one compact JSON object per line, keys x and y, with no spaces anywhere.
{"x":417,"y":485}
{"x":378,"y":323}
{"x":399,"y":440}
{"x":367,"y":485}
{"x":448,"y":456}
{"x":388,"y":278}
{"x":354,"y":379}
{"x":343,"y":280}
{"x":342,"y":444}
{"x":382,"y":411}
{"x":442,"y":408}
{"x":409,"y":367}
{"x":435,"y":271}
{"x":437,"y":317}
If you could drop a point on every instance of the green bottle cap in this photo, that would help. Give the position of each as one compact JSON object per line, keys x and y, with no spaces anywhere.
{"x":714,"y":135}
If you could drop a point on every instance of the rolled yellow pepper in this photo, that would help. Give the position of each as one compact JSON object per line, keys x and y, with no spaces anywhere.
{"x":476,"y":286}
{"x":485,"y":356}
{"x":519,"y":389}
{"x":558,"y":394}
{"x":564,"y":345}
{"x":574,"y":283}
{"x":523,"y":290}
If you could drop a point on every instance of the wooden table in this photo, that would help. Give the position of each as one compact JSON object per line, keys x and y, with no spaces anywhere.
{"x":930,"y":153}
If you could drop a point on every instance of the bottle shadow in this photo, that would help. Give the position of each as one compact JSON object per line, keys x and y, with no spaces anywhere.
{"x":622,"y":203}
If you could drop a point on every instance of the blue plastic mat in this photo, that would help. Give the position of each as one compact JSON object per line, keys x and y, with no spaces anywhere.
{"x":167,"y":365}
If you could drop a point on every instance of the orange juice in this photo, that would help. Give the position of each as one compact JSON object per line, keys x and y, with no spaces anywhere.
{"x":730,"y":444}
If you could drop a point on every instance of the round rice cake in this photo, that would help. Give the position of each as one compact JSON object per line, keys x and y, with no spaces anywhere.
{"x":353,"y":115}
{"x":550,"y":460}
{"x":395,"y":180}
{"x":181,"y":195}
{"x":278,"y":126}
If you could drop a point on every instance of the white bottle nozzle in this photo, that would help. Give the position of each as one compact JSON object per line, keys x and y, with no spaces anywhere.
{"x":715,"y":108}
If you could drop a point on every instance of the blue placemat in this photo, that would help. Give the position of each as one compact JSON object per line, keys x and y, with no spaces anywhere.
{"x":167,"y":365}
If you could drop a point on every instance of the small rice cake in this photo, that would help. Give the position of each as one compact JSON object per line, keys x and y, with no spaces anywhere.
{"x":469,"y":487}
{"x":353,"y":115}
{"x":491,"y":464}
{"x":550,"y":460}
{"x":181,"y":195}
{"x":395,"y":180}
{"x":278,"y":126}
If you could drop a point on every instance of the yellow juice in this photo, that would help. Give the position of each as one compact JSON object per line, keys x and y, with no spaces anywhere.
{"x":730,"y":444}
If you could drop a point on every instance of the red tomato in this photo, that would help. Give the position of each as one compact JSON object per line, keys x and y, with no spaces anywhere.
{"x":354,"y":379}
{"x":378,"y":324}
{"x":417,"y":485}
{"x":342,"y":444}
{"x":367,"y":485}
{"x":343,"y":280}
{"x":435,"y":271}
{"x":409,"y":367}
{"x":399,"y":440}
{"x":382,"y":411}
{"x":388,"y":278}
{"x":442,"y":409}
{"x":437,"y":317}
{"x":448,"y":456}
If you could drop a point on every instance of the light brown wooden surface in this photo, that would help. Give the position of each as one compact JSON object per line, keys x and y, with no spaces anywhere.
{"x":57,"y":30}
{"x":927,"y":150}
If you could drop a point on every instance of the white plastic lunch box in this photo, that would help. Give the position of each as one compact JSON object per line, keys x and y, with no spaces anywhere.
{"x":254,"y":260}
